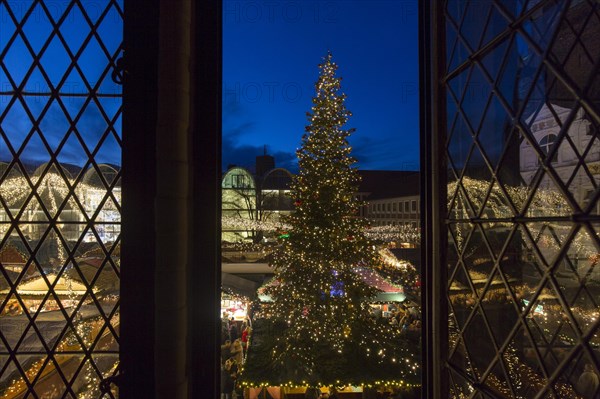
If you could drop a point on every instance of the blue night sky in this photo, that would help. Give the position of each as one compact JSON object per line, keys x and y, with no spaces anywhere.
{"x":271,"y":52}
{"x":91,"y":118}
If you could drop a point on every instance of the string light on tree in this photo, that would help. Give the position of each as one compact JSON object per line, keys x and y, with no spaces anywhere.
{"x":320,"y":301}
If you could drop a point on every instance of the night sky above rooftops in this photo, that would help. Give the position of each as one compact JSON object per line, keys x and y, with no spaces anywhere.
{"x":271,"y":52}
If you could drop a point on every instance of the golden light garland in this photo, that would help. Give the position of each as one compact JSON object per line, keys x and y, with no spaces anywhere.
{"x":384,"y":233}
{"x":52,"y":190}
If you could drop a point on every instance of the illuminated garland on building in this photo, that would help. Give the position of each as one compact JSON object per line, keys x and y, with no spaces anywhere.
{"x":339,"y":384}
{"x":240,"y":223}
{"x":468,"y":198}
{"x":391,"y":233}
{"x":51,"y":192}
{"x":53,"y":189}
{"x":385,"y":233}
{"x":544,"y":202}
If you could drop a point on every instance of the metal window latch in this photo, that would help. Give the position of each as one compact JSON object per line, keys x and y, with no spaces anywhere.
{"x":119,"y":71}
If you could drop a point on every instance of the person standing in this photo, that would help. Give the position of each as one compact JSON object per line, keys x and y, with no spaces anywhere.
{"x":227,"y":382}
{"x":224,"y":331}
{"x":233,"y":331}
{"x":588,"y":382}
{"x":233,"y":372}
{"x":237,"y":352}
{"x":225,"y":351}
{"x":245,"y":334}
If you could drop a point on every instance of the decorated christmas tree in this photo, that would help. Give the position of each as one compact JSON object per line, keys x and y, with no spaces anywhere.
{"x":321,"y":328}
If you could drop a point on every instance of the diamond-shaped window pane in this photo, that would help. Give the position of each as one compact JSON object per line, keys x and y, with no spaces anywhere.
{"x":524,"y":171}
{"x":60,"y":219}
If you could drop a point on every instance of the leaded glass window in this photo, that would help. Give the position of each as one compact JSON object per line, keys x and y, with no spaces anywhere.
{"x":521,"y":86}
{"x":60,"y":197}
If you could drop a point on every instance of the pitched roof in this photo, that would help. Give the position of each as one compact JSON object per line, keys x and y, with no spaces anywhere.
{"x":374,"y":279}
{"x":97,"y":252}
{"x":105,"y":280}
{"x":38,"y":287}
{"x":380,"y":184}
{"x":11,"y":255}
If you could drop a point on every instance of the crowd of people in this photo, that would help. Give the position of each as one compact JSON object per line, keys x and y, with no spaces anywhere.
{"x":408,"y":318}
{"x":234,"y":343}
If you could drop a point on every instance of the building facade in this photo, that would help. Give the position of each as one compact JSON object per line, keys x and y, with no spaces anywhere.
{"x":253,"y":201}
{"x":392,"y":198}
{"x":580,"y":142}
{"x":394,"y":211}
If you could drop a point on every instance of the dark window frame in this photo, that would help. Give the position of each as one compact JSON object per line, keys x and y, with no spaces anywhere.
{"x":435,"y":164}
{"x":139,"y":333}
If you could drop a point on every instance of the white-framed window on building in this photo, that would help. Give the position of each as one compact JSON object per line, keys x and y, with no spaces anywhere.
{"x":546,"y":144}
{"x":239,"y":181}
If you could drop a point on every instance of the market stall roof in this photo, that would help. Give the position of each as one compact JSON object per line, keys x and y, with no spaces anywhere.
{"x":410,"y":255}
{"x":478,"y":279}
{"x":37,"y":287}
{"x":9,"y":254}
{"x":388,"y":291}
{"x":106,"y":279}
{"x":97,"y":252}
